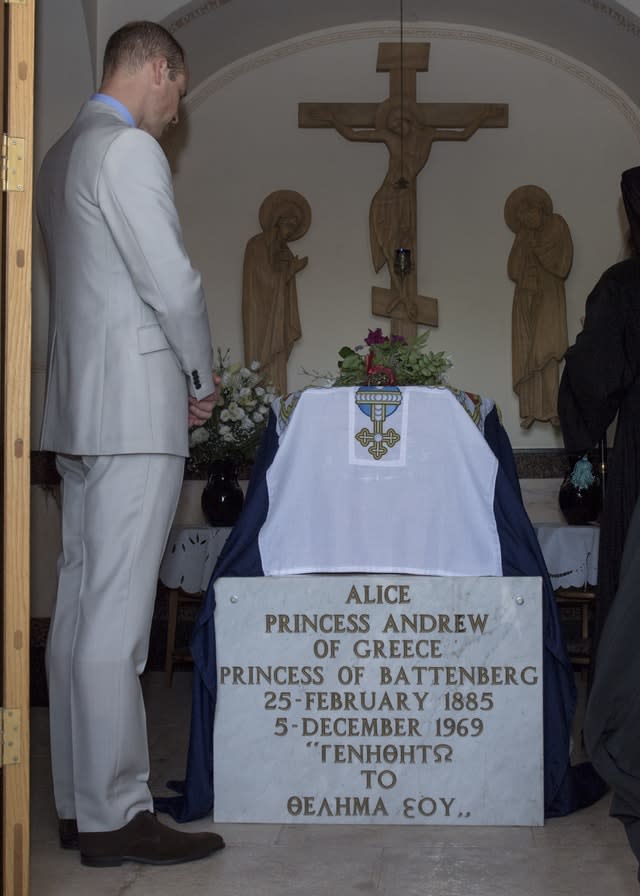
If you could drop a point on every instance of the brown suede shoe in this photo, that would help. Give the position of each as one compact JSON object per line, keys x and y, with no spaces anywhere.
{"x":148,"y":841}
{"x":68,"y":833}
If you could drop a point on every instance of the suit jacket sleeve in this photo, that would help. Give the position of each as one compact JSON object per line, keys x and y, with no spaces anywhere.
{"x":135,"y":194}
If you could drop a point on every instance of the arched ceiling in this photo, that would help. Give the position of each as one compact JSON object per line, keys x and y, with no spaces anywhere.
{"x":216,"y":33}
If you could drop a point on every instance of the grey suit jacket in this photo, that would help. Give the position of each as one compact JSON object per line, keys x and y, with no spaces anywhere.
{"x":128,"y":330}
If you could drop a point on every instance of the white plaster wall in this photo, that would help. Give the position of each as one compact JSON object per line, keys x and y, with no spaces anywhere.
{"x":570,"y":132}
{"x":633,"y":5}
{"x":46,"y":540}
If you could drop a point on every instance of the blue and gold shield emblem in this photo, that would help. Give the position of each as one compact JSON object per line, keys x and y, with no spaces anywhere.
{"x":378,"y":403}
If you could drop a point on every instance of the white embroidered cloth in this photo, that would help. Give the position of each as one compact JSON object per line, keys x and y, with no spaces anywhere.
{"x":190,"y":556}
{"x":570,"y":554}
{"x":403,"y":482}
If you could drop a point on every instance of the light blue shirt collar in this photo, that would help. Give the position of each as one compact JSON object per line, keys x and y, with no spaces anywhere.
{"x":122,"y":110}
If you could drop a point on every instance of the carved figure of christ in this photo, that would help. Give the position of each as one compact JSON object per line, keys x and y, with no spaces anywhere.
{"x":408,"y":129}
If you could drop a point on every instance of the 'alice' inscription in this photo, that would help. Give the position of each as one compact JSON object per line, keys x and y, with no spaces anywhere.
{"x":380,"y":594}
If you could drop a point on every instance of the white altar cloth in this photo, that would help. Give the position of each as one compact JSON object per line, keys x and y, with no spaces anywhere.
{"x":330,"y":495}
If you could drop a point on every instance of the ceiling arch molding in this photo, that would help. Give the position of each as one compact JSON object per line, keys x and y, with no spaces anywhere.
{"x":388,"y":30}
{"x":602,"y":36}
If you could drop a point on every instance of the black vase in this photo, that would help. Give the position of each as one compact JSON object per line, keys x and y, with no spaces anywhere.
{"x":222,"y":497}
{"x":580,"y":506}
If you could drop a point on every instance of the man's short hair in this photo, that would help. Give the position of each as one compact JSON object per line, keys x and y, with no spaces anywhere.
{"x":133,"y":45}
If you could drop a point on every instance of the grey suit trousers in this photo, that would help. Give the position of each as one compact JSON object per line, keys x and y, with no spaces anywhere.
{"x":116,"y":515}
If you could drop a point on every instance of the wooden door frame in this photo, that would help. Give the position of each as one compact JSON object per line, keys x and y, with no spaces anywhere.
{"x":16,"y":360}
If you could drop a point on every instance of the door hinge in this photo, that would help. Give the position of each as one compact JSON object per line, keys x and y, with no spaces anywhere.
{"x":10,"y":731}
{"x":12,"y":163}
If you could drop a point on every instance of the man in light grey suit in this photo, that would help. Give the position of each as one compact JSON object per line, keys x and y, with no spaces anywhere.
{"x":129,"y":370}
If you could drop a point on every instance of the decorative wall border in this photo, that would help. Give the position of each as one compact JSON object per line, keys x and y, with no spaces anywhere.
{"x":619,"y":18}
{"x":186,"y":18}
{"x":436,"y":31}
{"x":531,"y":463}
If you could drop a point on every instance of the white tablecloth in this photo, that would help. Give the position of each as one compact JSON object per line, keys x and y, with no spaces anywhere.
{"x":392,"y":480}
{"x":570,"y":553}
{"x":190,"y":555}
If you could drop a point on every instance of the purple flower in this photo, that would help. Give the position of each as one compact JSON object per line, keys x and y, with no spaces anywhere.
{"x":375,"y":337}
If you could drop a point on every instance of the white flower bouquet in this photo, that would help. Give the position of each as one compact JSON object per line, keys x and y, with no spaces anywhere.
{"x":235,"y":428}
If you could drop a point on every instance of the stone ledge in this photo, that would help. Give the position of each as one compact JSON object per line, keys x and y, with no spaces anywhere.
{"x":549,"y":463}
{"x":531,"y":463}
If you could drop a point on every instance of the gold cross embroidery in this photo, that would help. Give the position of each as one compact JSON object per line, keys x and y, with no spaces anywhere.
{"x":378,"y":439}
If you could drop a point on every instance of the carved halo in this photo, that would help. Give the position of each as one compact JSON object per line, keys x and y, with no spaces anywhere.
{"x":394,"y":104}
{"x":528,"y":195}
{"x":272,"y":207}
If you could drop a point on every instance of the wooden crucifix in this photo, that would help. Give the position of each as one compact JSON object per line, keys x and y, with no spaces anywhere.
{"x":408,"y":129}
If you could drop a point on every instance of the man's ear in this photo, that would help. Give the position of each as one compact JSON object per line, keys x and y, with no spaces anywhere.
{"x":159,"y":69}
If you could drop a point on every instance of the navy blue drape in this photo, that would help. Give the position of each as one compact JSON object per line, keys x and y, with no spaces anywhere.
{"x":566,"y":788}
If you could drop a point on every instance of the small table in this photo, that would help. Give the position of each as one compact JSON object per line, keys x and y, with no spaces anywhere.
{"x":571,"y":557}
{"x":570,"y":554}
{"x":185,"y":571}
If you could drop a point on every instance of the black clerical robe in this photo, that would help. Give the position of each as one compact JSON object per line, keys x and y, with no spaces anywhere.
{"x":601,"y":378}
{"x":612,"y":721}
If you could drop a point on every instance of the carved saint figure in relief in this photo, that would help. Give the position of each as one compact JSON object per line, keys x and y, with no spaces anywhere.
{"x":270,"y":318}
{"x":539,"y":263}
{"x":401,"y":127}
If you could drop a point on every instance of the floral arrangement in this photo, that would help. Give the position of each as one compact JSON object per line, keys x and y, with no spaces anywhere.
{"x":235,"y":428}
{"x":391,"y":360}
{"x":582,"y":475}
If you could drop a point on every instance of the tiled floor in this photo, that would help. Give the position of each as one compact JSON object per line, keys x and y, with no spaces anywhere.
{"x":585,"y":854}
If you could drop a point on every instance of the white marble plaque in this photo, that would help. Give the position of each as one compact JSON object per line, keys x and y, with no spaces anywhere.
{"x":348,"y":699}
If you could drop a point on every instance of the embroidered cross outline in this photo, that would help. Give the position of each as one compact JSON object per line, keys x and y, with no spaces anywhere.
{"x":376,"y":441}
